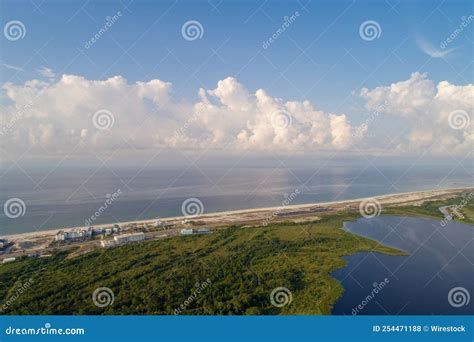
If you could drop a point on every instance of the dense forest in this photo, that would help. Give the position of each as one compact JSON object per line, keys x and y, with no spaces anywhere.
{"x":241,"y":267}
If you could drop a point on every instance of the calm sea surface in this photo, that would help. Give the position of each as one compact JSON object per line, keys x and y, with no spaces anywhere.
{"x":441,"y":260}
{"x":60,"y":197}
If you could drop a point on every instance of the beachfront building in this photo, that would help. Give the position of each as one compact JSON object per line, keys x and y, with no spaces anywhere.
{"x":120,"y":239}
{"x":61,"y":236}
{"x":76,"y":234}
{"x":86,"y":233}
{"x":187,"y":231}
{"x":7,"y":260}
{"x":107,"y":243}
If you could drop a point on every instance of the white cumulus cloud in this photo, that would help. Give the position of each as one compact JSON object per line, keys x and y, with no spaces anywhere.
{"x":426,"y":107}
{"x":57,"y":116}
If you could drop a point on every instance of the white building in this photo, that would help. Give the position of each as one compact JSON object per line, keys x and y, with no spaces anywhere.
{"x":74,"y":235}
{"x":6,"y":260}
{"x":194,"y":231}
{"x":61,"y":235}
{"x":129,"y":238}
{"x":107,"y":243}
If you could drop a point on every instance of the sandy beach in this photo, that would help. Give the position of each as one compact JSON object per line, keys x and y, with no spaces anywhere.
{"x":242,"y":216}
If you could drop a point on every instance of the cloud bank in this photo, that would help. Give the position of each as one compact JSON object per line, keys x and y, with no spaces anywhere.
{"x":439,"y":115}
{"x":73,"y":114}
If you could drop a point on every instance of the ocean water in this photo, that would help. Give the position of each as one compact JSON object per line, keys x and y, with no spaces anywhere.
{"x":56,"y":197}
{"x":436,"y":278}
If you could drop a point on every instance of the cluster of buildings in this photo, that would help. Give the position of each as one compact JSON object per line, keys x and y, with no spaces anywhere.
{"x":86,"y":233}
{"x":92,"y":232}
{"x":190,"y":231}
{"x":122,"y":239}
{"x":81,"y":234}
{"x":115,"y":239}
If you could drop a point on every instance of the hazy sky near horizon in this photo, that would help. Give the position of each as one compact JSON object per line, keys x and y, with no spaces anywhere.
{"x":348,"y":77}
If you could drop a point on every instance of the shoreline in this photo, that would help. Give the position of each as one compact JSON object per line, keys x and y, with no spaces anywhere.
{"x":392,"y":199}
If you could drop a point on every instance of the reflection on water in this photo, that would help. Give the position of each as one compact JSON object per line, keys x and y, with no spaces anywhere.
{"x":66,"y":197}
{"x":441,"y":259}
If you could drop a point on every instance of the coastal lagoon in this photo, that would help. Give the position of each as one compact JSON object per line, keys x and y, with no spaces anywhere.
{"x":67,"y":197}
{"x":440,"y":259}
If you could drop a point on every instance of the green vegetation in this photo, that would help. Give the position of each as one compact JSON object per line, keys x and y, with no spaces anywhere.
{"x":243,"y":265}
{"x":465,"y":205}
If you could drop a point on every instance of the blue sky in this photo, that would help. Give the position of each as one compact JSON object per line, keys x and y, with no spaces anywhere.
{"x":326,"y":32}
